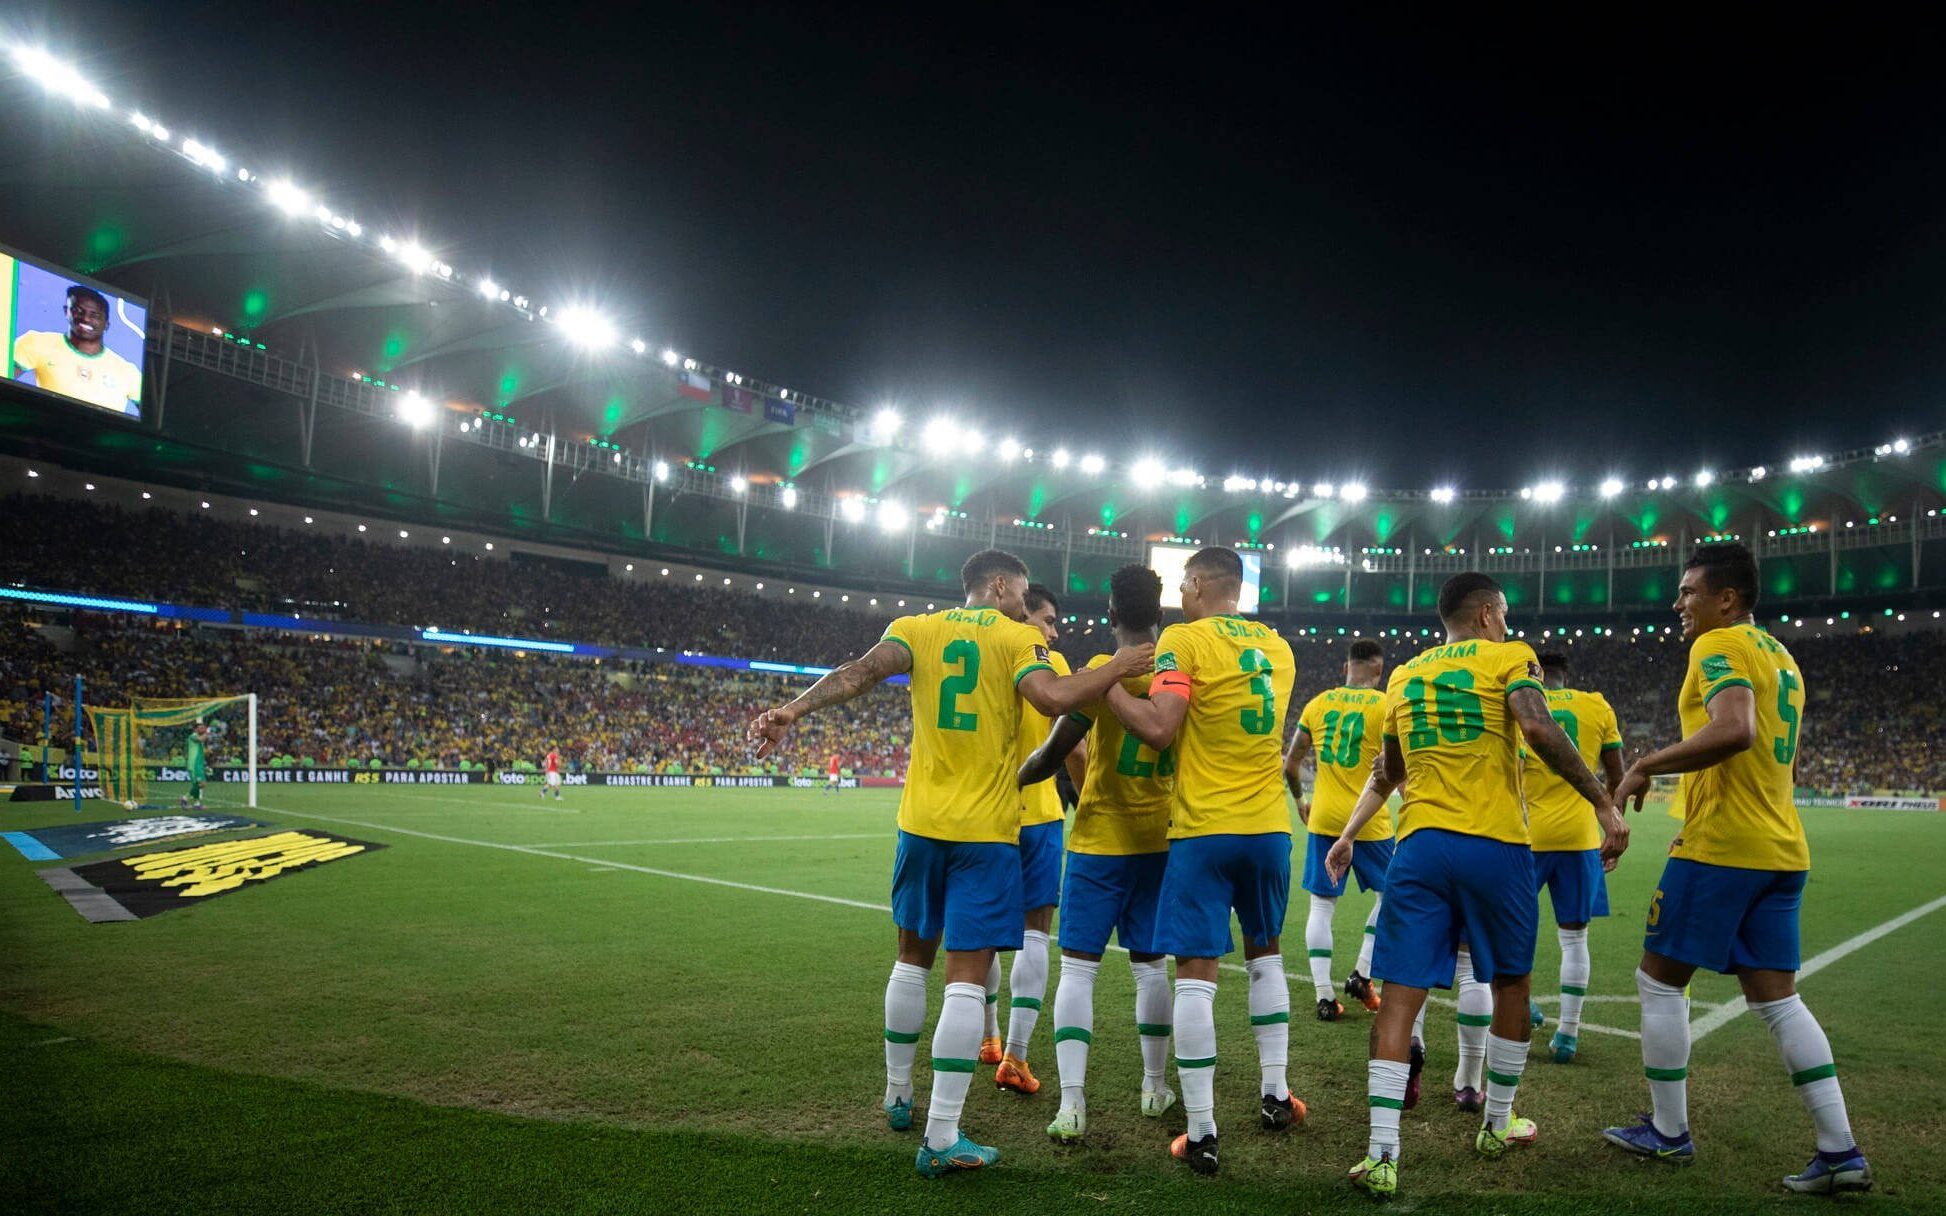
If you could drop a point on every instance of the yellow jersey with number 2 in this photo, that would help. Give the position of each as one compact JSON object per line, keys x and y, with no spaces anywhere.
{"x":1237,"y":675}
{"x":1742,"y":812}
{"x":1126,"y":799}
{"x":959,"y":782}
{"x":1448,"y":710}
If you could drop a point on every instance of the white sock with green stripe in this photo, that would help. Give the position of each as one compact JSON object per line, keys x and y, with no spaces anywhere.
{"x":1807,"y":1054}
{"x":1385,"y":1082}
{"x":1270,"y":1021}
{"x":1506,"y":1060}
{"x":1154,"y":1020}
{"x":1371,"y":938}
{"x":1475,"y":1015}
{"x":1317,"y":944}
{"x":993,"y":999}
{"x":1026,"y":985}
{"x":1196,"y":1054}
{"x":1665,"y":1052}
{"x":1575,"y":968}
{"x":1419,"y":1024}
{"x":955,"y":1050}
{"x":905,"y":1012}
{"x":1074,"y":1028}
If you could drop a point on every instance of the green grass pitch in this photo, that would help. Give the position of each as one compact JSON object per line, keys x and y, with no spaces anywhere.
{"x":670,"y":1000}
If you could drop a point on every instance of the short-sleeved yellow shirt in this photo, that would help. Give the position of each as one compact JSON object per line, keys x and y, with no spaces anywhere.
{"x":1448,"y":709}
{"x":1742,"y":812}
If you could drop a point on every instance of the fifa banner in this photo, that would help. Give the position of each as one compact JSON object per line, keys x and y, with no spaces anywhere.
{"x":743,"y":781}
{"x":334,"y":776}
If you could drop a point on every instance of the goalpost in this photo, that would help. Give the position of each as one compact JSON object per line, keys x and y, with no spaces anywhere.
{"x":172,"y":742}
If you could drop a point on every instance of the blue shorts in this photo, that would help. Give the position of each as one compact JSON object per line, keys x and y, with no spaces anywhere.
{"x":1040,"y":864}
{"x":1575,"y":881}
{"x":1101,"y":894}
{"x":1208,"y":876}
{"x":1369,"y":858}
{"x":1725,"y":918}
{"x":966,"y":892}
{"x":1447,"y":887}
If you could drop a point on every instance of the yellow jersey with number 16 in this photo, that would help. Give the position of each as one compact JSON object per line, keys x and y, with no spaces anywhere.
{"x":959,"y":782}
{"x":1040,"y":802}
{"x":1238,"y":676}
{"x":1743,"y":812}
{"x":1448,"y":710}
{"x":1126,"y":799}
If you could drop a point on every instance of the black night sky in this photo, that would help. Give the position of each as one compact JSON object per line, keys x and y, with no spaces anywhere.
{"x":1413,"y":248}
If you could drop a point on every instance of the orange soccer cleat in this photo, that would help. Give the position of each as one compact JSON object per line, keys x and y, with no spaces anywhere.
{"x":1014,"y":1074}
{"x":990,"y":1050}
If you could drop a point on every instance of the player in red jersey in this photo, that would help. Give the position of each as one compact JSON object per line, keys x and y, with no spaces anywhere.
{"x":831,"y":775}
{"x":552,"y":767}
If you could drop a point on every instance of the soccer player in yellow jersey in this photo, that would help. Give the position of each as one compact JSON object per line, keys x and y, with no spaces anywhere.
{"x":1222,"y":685}
{"x":1567,"y":841}
{"x":1729,"y":895}
{"x":956,"y":877}
{"x":1115,"y":862}
{"x":1454,"y":720}
{"x":78,"y":364}
{"x":1341,"y":727}
{"x":1041,"y":820}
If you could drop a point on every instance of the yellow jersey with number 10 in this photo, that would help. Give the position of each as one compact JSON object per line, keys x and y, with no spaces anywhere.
{"x":1559,"y":819}
{"x":1448,"y":710}
{"x":959,"y":782}
{"x":1238,"y":674}
{"x":1743,"y":812}
{"x":1040,"y":802}
{"x":1126,"y":799}
{"x":1344,"y":725}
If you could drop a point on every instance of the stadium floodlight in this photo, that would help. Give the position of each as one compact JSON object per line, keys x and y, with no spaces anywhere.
{"x":739,"y":484}
{"x":788,"y":496}
{"x":940,"y":436}
{"x":1093,"y":464}
{"x":1324,"y":489}
{"x":287,"y":198}
{"x":415,"y":411}
{"x":587,"y":327}
{"x":972,"y":441}
{"x":488,"y":289}
{"x":1236,"y":483}
{"x":853,"y":509}
{"x":1061,"y":458}
{"x":58,"y":78}
{"x":670,"y":358}
{"x":354,"y":228}
{"x":413,"y":256}
{"x":638,"y":346}
{"x":1759,"y":473}
{"x":885,"y":424}
{"x":1147,"y":472}
{"x":204,"y":155}
{"x":1443,"y":494}
{"x":1184,"y":477}
{"x":1806,"y":464}
{"x":662,"y":470}
{"x":1008,"y":449}
{"x":893,"y":517}
{"x":1353,"y":491}
{"x":1549,"y":491}
{"x":1611,"y":487}
{"x":1901,"y":446}
{"x":1704,"y":478}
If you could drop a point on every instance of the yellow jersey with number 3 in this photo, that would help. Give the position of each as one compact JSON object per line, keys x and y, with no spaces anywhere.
{"x":1742,"y":812}
{"x":1448,"y":709}
{"x":959,"y":782}
{"x":1238,"y":675}
{"x":1040,"y":802}
{"x":1126,"y":799}
{"x":1344,"y":725}
{"x":1558,"y":819}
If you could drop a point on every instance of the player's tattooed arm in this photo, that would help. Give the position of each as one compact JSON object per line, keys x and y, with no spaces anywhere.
{"x":1046,"y":759}
{"x":840,"y":684}
{"x":1546,"y":739}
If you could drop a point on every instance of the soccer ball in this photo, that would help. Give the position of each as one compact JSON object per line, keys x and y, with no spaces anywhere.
{"x":128,"y":804}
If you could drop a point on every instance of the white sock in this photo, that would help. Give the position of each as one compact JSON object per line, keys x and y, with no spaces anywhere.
{"x":1475,"y":1015}
{"x":1196,"y":1054}
{"x":1506,"y":1060}
{"x":1371,"y":938}
{"x":1074,"y":1027}
{"x":1317,"y":944}
{"x":993,"y":999}
{"x":1026,"y":985}
{"x":1419,"y":1024}
{"x":1575,"y":967}
{"x":955,"y":1050}
{"x":905,"y":1012}
{"x":1385,"y":1082}
{"x":1665,"y":1052}
{"x":1807,"y":1057}
{"x":1154,"y":1020}
{"x":1270,"y":1021}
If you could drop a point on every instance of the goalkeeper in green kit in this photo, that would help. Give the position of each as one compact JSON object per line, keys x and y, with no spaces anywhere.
{"x":196,"y":752}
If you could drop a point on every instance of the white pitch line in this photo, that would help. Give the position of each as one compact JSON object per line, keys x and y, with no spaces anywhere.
{"x":1716,"y":1019}
{"x":594,"y":844}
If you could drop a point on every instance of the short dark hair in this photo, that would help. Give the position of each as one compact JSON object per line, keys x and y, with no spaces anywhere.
{"x":79,"y":290}
{"x":1135,"y":596}
{"x":1038,"y":594}
{"x":1364,"y":650}
{"x":1217,"y":563}
{"x":1462,"y":591}
{"x":1727,"y":564}
{"x":1554,"y":660}
{"x":982,"y":567}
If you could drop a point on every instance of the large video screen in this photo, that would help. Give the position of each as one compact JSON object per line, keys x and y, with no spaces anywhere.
{"x":1168,"y":561}
{"x":72,"y":337}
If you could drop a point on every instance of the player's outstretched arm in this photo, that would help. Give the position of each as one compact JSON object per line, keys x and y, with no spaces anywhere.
{"x":1546,"y":739}
{"x":1047,"y":758}
{"x":835,"y":687}
{"x":1058,"y":696}
{"x":1732,"y":728}
{"x":1299,"y":749}
{"x":1388,"y":773}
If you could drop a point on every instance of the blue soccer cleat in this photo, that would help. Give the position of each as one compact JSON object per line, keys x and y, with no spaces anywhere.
{"x":1564,"y":1046}
{"x":898,"y":1114}
{"x":1831,"y":1173}
{"x":1534,"y":1013}
{"x":1645,"y":1141}
{"x":964,"y":1155}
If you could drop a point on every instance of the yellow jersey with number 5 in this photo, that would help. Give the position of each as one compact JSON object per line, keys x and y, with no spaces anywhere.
{"x":959,"y":782}
{"x":1448,"y":710}
{"x":1237,"y":675}
{"x":1742,"y":812}
{"x":1126,"y":799}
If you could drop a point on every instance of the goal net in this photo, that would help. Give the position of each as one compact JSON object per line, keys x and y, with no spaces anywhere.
{"x":174,"y":748}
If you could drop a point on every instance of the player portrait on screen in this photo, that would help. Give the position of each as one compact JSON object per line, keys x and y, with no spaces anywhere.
{"x":77,"y":360}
